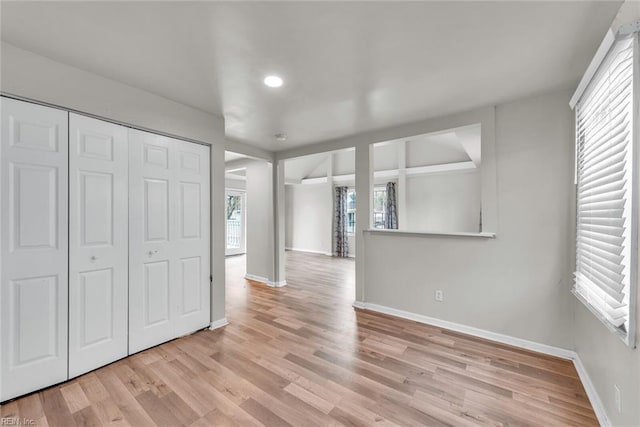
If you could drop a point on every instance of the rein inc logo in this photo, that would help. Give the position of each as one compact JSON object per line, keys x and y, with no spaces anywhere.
{"x":15,"y":421}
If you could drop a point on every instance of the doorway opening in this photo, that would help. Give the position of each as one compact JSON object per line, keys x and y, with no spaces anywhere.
{"x":320,"y":219}
{"x":235,"y":217}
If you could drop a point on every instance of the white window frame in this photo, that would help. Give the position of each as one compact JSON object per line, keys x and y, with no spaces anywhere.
{"x":355,"y":217}
{"x":379,"y":188}
{"x":243,"y":222}
{"x":628,"y":336}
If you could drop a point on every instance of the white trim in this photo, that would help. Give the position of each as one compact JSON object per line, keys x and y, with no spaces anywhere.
{"x":484,"y":234}
{"x":280,"y":284}
{"x":606,"y":44}
{"x":235,"y":254}
{"x":617,"y":332}
{"x":592,"y":394}
{"x":218,"y":324}
{"x":105,"y":119}
{"x":447,"y":167}
{"x":484,"y":115}
{"x":470,"y":330}
{"x":265,"y":281}
{"x":232,"y":177}
{"x":631,"y":27}
{"x":309,"y":251}
{"x":320,"y":180}
{"x":351,"y":177}
{"x":393,"y":173}
{"x":635,"y":234}
{"x":359,"y":304}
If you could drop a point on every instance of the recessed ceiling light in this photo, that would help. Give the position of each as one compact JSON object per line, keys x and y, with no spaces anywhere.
{"x":282,"y":137}
{"x":273,"y":81}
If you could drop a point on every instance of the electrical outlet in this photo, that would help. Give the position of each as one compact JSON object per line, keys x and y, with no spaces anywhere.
{"x":618,"y":397}
{"x":439,"y":295}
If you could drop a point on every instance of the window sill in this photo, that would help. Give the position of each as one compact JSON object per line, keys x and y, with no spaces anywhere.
{"x":625,"y":337}
{"x":485,"y":235}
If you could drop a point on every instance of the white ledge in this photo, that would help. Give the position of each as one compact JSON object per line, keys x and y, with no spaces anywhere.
{"x":483,"y":234}
{"x":393,"y":173}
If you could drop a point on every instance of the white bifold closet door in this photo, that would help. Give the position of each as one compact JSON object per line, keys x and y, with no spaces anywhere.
{"x":34,"y":251}
{"x":169,"y":269}
{"x":98,"y":243}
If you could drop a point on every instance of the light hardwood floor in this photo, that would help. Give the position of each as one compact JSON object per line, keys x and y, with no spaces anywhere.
{"x":302,"y":356}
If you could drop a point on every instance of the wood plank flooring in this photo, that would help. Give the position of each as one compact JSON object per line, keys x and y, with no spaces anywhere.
{"x":302,"y":356}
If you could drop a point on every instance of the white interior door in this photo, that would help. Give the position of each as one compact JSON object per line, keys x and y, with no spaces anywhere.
{"x":34,"y":248}
{"x":98,"y":243}
{"x":235,"y":222}
{"x":150,"y":249}
{"x":192,"y":236}
{"x":168,"y":240}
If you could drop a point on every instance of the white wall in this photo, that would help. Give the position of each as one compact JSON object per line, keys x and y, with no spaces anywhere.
{"x":308,"y":218}
{"x":344,"y":162}
{"x":260,"y":221}
{"x":385,"y":157}
{"x":351,"y":240}
{"x":609,"y":362}
{"x":235,"y":184}
{"x":518,"y":283}
{"x":33,"y":76}
{"x":448,"y":202}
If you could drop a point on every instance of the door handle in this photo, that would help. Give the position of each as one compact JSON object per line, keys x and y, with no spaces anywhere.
{"x":152,"y":253}
{"x":93,"y":258}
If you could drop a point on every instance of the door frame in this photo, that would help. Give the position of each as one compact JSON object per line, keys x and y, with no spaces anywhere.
{"x":243,"y":222}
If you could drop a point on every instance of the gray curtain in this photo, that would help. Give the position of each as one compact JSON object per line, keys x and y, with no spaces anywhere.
{"x":391,"y":220}
{"x":340,"y":238}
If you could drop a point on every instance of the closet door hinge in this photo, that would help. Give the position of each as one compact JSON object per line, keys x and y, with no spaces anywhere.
{"x":211,"y":278}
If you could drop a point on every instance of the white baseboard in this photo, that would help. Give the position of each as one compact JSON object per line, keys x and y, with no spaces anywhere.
{"x":592,"y":394}
{"x":266,"y":281}
{"x":562,"y":353}
{"x":218,"y":323}
{"x":309,"y":251}
{"x":280,"y":284}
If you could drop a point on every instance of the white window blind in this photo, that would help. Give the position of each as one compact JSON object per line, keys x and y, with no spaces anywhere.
{"x":606,"y":220}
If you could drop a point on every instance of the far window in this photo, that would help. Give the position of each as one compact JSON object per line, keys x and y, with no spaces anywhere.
{"x":351,"y":211}
{"x":379,"y":207}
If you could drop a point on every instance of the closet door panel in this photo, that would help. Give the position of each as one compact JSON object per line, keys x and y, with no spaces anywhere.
{"x":98,"y":282}
{"x":33,"y":251}
{"x":169,"y":219}
{"x":152,"y":262}
{"x":192,"y":242}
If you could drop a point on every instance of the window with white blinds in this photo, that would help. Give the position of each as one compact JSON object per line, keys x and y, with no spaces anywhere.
{"x":606,"y":254}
